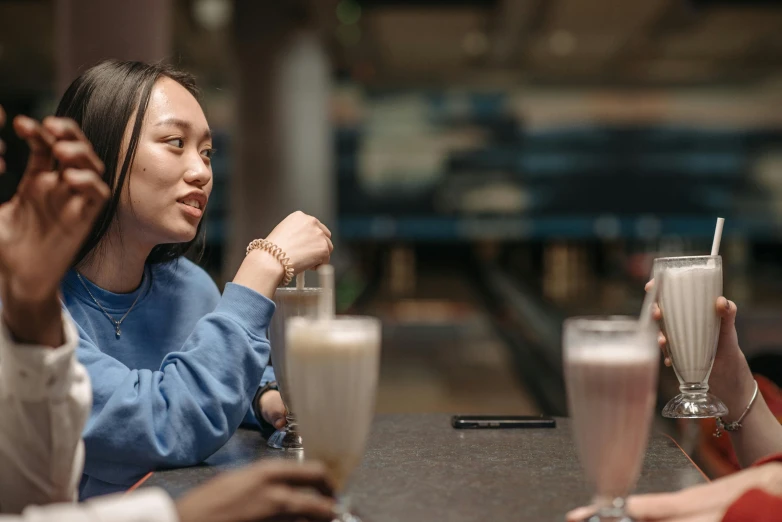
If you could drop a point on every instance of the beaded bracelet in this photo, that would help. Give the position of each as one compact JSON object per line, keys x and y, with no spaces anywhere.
{"x":277,"y":253}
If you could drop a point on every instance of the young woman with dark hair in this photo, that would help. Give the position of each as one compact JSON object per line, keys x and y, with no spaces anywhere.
{"x":175,"y":366}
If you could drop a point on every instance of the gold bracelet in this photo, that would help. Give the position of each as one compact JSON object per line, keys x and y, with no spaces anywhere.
{"x":277,"y":253}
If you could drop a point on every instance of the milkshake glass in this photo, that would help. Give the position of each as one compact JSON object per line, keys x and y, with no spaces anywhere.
{"x":611,"y":372}
{"x":289,"y":302}
{"x":687,"y":296}
{"x":333,"y":367}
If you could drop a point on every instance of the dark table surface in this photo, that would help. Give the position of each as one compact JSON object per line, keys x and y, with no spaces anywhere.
{"x":419,"y":468}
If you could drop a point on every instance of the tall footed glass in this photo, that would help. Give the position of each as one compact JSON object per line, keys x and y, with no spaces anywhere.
{"x":290,"y":302}
{"x":688,"y":292}
{"x":333,"y":367}
{"x":611,"y":378}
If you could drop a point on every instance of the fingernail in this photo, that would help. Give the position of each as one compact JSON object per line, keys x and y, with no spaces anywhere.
{"x":727,"y":305}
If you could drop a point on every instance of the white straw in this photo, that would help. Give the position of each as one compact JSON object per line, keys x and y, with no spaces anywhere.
{"x":715,"y":246}
{"x":300,"y":281}
{"x":326,"y":300}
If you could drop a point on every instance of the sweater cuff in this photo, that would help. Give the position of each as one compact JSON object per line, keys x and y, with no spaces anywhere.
{"x":247,"y":307}
{"x":32,"y":372}
{"x":267,"y":429}
{"x":754,"y":506}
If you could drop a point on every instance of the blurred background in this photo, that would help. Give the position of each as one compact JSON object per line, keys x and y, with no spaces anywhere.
{"x":488,"y":167}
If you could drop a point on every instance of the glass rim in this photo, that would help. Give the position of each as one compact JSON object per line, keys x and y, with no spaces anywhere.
{"x":679,"y":258}
{"x":603,"y":323}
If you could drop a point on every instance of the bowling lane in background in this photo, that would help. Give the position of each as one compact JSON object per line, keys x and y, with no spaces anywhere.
{"x":440,"y":355}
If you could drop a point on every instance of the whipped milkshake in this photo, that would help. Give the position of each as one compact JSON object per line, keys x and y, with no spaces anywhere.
{"x":289,"y":302}
{"x":687,"y":298}
{"x":611,"y":395}
{"x":332,"y":368}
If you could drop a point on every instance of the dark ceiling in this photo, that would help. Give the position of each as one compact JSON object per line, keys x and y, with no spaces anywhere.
{"x":545,"y":42}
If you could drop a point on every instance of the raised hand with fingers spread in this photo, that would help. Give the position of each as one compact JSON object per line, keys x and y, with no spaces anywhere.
{"x":45,"y":223}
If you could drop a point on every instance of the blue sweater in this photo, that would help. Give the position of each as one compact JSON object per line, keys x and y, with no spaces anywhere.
{"x":178,"y":382}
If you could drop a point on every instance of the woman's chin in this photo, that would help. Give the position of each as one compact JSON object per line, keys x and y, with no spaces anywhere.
{"x":180,"y":236}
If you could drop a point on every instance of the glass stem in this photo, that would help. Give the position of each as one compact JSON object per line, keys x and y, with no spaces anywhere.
{"x":694,"y":388}
{"x":609,"y":509}
{"x":344,"y":510}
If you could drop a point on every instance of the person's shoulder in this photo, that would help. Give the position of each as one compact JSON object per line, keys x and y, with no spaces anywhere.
{"x":182,"y":274}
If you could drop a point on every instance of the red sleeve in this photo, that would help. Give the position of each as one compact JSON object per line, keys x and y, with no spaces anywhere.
{"x":755,"y":506}
{"x":766,"y":460}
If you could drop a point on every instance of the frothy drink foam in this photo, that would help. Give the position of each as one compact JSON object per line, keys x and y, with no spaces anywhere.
{"x":688,"y":297}
{"x":332,"y":378}
{"x":611,"y":393}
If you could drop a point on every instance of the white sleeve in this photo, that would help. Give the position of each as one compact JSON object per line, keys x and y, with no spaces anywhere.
{"x":45,"y":399}
{"x":148,"y":505}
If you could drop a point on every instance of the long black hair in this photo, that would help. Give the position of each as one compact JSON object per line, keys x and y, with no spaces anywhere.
{"x":102,"y":101}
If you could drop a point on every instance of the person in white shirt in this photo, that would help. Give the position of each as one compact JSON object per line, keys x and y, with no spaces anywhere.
{"x":45,"y":394}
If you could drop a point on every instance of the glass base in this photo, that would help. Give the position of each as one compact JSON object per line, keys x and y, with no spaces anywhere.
{"x":695,"y":405}
{"x":344,"y":510}
{"x":286,"y":438}
{"x":600,"y":517}
{"x":613,"y":511}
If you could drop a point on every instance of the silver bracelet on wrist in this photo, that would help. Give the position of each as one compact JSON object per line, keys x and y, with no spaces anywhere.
{"x":736,"y":425}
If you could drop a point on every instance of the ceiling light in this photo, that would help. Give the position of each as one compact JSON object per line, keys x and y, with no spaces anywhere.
{"x":213,"y":14}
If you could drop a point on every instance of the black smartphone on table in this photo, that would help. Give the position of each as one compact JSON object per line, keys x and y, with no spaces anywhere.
{"x":478,"y":422}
